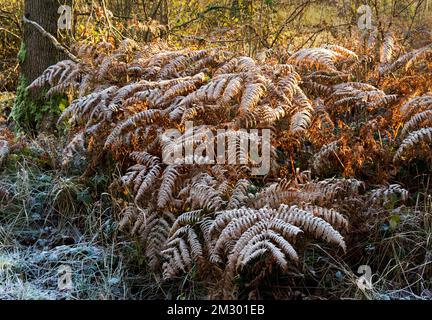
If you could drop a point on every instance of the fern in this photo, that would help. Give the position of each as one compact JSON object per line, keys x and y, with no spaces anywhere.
{"x":243,"y":235}
{"x":326,"y":108}
{"x":414,"y":139}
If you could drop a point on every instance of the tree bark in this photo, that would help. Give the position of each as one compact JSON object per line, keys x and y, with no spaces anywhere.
{"x":40,"y":52}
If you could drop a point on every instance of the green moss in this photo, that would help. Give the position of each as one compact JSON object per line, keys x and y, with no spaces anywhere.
{"x":33,"y":113}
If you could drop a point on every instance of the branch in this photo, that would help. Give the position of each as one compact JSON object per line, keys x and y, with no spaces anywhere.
{"x":199,"y":16}
{"x":53,"y":40}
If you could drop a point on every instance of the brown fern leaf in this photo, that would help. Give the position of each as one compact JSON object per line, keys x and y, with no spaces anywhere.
{"x":416,"y":105}
{"x":321,"y":159}
{"x":321,"y":193}
{"x":386,"y":50}
{"x":232,"y":89}
{"x":414,"y":139}
{"x":385,"y":194}
{"x":243,"y":235}
{"x":321,"y":58}
{"x":239,"y":194}
{"x":182,"y":249}
{"x":146,"y":178}
{"x":54,"y":74}
{"x":331,"y":216}
{"x":300,"y":121}
{"x":80,"y":110}
{"x":251,"y":96}
{"x":417,"y":121}
{"x":204,"y":194}
{"x":408,"y":60}
{"x":359,"y":94}
{"x":169,"y":177}
{"x":146,"y":117}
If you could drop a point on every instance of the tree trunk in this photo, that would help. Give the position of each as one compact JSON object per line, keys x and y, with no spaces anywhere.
{"x":40,"y":52}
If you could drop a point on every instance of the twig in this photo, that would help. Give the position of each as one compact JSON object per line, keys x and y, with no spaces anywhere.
{"x":412,"y":22}
{"x":199,"y":16}
{"x":202,"y":39}
{"x":50,"y":37}
{"x":105,"y":11}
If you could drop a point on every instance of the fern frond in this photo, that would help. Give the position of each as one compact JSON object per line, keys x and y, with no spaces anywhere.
{"x":416,"y":105}
{"x":331,"y":216}
{"x":239,"y":194}
{"x":300,"y":121}
{"x":232,"y":89}
{"x":146,"y":117}
{"x":186,"y":218}
{"x":181,"y":254}
{"x":304,"y":219}
{"x":321,"y":158}
{"x":166,"y":189}
{"x":420,"y":119}
{"x":386,"y":50}
{"x":322,"y":58}
{"x":204,"y":194}
{"x":54,"y":74}
{"x":251,"y":96}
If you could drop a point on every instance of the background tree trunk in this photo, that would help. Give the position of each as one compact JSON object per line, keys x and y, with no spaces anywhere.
{"x":40,"y":52}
